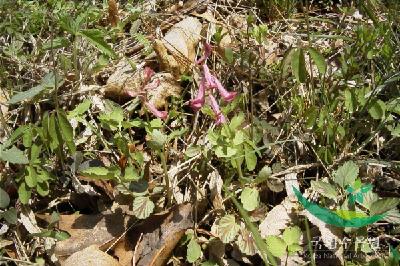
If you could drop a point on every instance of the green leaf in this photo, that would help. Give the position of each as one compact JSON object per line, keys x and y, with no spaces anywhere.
{"x":349,"y":101}
{"x":325,"y":189}
{"x":56,"y":43}
{"x":46,"y":83}
{"x":15,"y":135}
{"x":393,"y":216}
{"x":112,"y":119}
{"x":227,"y":228}
{"x":53,"y":132}
{"x":99,"y":172}
{"x":377,"y":109}
{"x":236,"y":121}
{"x":66,"y":130}
{"x":31,"y":177}
{"x":239,"y":137}
{"x":158,"y":140}
{"x":13,"y":155}
{"x":142,"y":207}
{"x":292,"y":235}
{"x":250,"y":158}
{"x":80,"y":109}
{"x":96,"y":38}
{"x":299,"y":65}
{"x":383,"y":205}
{"x":276,"y":246}
{"x":10,"y":215}
{"x":311,"y":116}
{"x":24,"y":193}
{"x":61,"y":235}
{"x":264,"y":173}
{"x":346,"y":174}
{"x":131,"y":174}
{"x":318,"y":59}
{"x":193,"y":251}
{"x":261,"y":245}
{"x":294,"y":248}
{"x":250,"y":198}
{"x":4,"y":199}
{"x":224,"y":151}
{"x":287,"y":58}
{"x":27,"y":137}
{"x":192,"y":151}
{"x":229,"y":55}
{"x":43,"y":188}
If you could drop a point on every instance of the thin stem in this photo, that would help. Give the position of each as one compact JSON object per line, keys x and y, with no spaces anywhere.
{"x":310,"y":249}
{"x":166,"y":177}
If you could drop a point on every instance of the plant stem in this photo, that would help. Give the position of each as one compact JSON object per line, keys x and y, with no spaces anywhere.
{"x":309,"y":242}
{"x":166,"y":177}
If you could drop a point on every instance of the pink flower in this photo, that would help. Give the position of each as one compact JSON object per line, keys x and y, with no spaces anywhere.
{"x":209,"y":78}
{"x":198,"y":102}
{"x":148,"y":73}
{"x":155,"y":111}
{"x":152,"y":85}
{"x":207,"y":53}
{"x":226,"y":95}
{"x":220,"y":116}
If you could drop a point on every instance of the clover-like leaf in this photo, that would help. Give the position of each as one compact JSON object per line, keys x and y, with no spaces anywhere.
{"x":250,"y":198}
{"x":142,"y":207}
{"x":383,"y":205}
{"x":346,"y":174}
{"x":325,"y":189}
{"x":193,"y":251}
{"x":292,"y":235}
{"x":276,"y":246}
{"x":227,"y":228}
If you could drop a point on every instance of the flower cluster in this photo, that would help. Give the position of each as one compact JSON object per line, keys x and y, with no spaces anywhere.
{"x":209,"y":82}
{"x":147,"y":85}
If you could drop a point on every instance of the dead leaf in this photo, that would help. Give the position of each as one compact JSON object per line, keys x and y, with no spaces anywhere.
{"x":90,"y":256}
{"x":278,"y":218}
{"x":176,"y":51}
{"x":123,"y":77}
{"x":87,"y":230}
{"x":216,"y":189}
{"x":161,"y":233}
{"x":28,"y":220}
{"x":124,"y":252}
{"x":329,"y":235}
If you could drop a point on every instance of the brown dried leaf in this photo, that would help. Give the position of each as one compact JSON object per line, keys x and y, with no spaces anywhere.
{"x":278,"y":218}
{"x":87,"y":230}
{"x":161,"y":233}
{"x":176,"y":51}
{"x":90,"y":256}
{"x":113,"y":13}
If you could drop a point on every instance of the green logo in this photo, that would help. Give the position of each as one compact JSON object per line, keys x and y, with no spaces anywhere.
{"x":341,"y":218}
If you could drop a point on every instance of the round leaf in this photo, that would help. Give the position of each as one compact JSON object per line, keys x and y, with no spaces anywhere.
{"x":227,"y":228}
{"x":193,"y":251}
{"x":276,"y":246}
{"x":142,"y":207}
{"x":292,"y":235}
{"x":250,"y":199}
{"x":4,"y":199}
